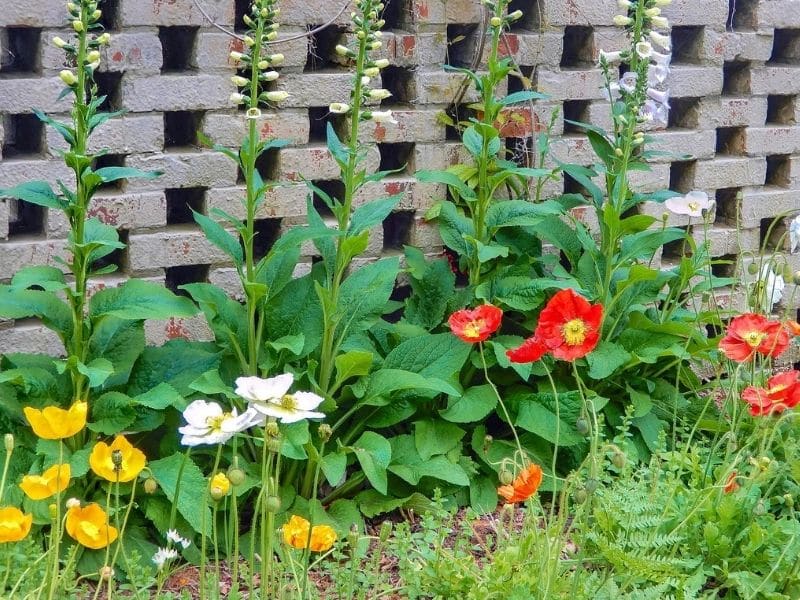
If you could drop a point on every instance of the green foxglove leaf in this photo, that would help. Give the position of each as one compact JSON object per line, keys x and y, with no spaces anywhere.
{"x":137,"y":299}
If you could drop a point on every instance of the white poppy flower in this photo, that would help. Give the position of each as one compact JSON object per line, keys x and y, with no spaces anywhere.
{"x":794,"y":234}
{"x":692,"y":204}
{"x":208,"y":423}
{"x":773,"y":286}
{"x":271,"y":398}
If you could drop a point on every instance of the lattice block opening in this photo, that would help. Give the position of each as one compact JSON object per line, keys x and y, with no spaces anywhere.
{"x":778,"y":170}
{"x":178,"y":48}
{"x":175,"y":277}
{"x":322,"y":49}
{"x":684,"y":113}
{"x":334,"y":189}
{"x":397,"y":14}
{"x":397,"y":156}
{"x":21,"y":54}
{"x":399,"y":81}
{"x":110,"y":160}
{"x":109,"y":18}
{"x":781,"y":109}
{"x":182,"y":201}
{"x":318,"y":119}
{"x":575,"y":110}
{"x":578,"y":49}
{"x":532,"y":14}
{"x":461,"y":44}
{"x":397,"y":230}
{"x":785,"y":46}
{"x":267,"y":232}
{"x":736,"y":78}
{"x":687,"y":44}
{"x":25,"y":219}
{"x":731,"y":140}
{"x":181,"y":127}
{"x":681,"y":176}
{"x":24,"y":136}
{"x":109,"y":84}
{"x":728,"y":205}
{"x":742,"y":15}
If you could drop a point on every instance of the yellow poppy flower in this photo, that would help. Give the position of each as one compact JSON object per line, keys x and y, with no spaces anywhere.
{"x":295,"y":534}
{"x":89,"y":526}
{"x":53,"y":423}
{"x":129,"y":460}
{"x":53,"y":480}
{"x":220,"y":486}
{"x":14,"y":524}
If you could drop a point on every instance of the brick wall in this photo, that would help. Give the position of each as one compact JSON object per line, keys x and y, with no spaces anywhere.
{"x":735,"y":82}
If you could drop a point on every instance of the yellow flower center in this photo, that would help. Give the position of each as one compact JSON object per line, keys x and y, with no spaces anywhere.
{"x":288,"y":402}
{"x":574,"y":332}
{"x":473,"y":329}
{"x":90,"y":529}
{"x":694,"y":206}
{"x":215,"y":423}
{"x":754,"y":338}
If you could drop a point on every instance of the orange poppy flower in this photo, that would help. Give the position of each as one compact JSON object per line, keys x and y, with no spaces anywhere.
{"x":52,"y":481}
{"x":524,"y":486}
{"x":89,"y":526}
{"x":129,"y":460}
{"x":730,"y":483}
{"x":14,"y":524}
{"x":569,"y":326}
{"x":749,"y":334}
{"x":477,"y":324}
{"x":53,"y":423}
{"x":782,"y":392}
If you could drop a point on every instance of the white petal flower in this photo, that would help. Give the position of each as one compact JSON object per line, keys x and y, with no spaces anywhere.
{"x":659,"y":96}
{"x":660,"y":22}
{"x":611,"y":58}
{"x":379,"y":94}
{"x":644,"y":49}
{"x":208,"y":423}
{"x":278,"y":96}
{"x":339,"y":108}
{"x":176,"y":538}
{"x":661,"y":59}
{"x":255,"y":389}
{"x":773,"y":286}
{"x":627,"y":83}
{"x":657,"y":74}
{"x":382,"y":116}
{"x":269,"y":76}
{"x":622,"y":20}
{"x":163,"y":555}
{"x":794,"y":234}
{"x":661,"y":40}
{"x":692,"y":204}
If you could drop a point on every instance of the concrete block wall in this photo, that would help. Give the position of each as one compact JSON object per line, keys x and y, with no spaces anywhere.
{"x":733,"y":129}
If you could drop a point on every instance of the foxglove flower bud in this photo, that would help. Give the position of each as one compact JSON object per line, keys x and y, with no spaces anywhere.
{"x":269,"y":76}
{"x":496,"y":22}
{"x":104,"y":38}
{"x":278,"y":96}
{"x":372,"y":71}
{"x":77,"y":25}
{"x":339,"y":108}
{"x":68,"y":77}
{"x":622,"y":21}
{"x":660,"y":22}
{"x":238,"y":98}
{"x":379,"y":94}
{"x":381,"y":63}
{"x":236,"y":56}
{"x":239,"y":81}
{"x":58,"y":42}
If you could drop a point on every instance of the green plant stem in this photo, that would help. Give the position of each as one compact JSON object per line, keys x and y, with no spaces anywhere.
{"x":57,"y":535}
{"x":522,"y":454}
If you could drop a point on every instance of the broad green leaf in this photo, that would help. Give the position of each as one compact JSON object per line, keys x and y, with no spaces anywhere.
{"x":372,"y":503}
{"x":473,"y":141}
{"x":111,"y":413}
{"x":519,"y":213}
{"x":650,"y":427}
{"x":137,"y":299}
{"x":432,"y":290}
{"x":454,"y":228}
{"x":210,"y":383}
{"x":364,"y":294}
{"x":220,"y":237}
{"x":642,"y":403}
{"x":606,"y":358}
{"x":411,"y":467}
{"x":97,"y":371}
{"x":35,"y":192}
{"x":109,"y":174}
{"x":160,"y":397}
{"x":489,"y":252}
{"x":295,"y":310}
{"x":372,"y":213}
{"x":385,"y":381}
{"x":436,"y":437}
{"x":439,"y":355}
{"x":178,"y":363}
{"x":49,"y":279}
{"x":119,"y":340}
{"x":21,"y":304}
{"x":353,"y":364}
{"x":374,"y":453}
{"x":193,"y":489}
{"x":474,"y":405}
{"x":450,"y":179}
{"x":340,"y":152}
{"x":482,"y":495}
{"x":333,"y":467}
{"x":522,"y":96}
{"x":539,"y":419}
{"x":292,"y":343}
{"x":99,"y":240}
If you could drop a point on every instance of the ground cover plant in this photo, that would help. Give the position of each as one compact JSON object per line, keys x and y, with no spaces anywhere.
{"x":548,"y":413}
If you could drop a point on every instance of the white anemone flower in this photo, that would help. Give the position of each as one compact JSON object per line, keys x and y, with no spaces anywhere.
{"x":692,"y":204}
{"x":773,"y":285}
{"x":271,"y":397}
{"x":208,"y":423}
{"x":164,"y":555}
{"x":794,"y":234}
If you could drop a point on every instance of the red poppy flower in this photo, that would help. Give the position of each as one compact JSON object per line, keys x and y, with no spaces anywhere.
{"x":524,"y":486}
{"x":730,"y":483}
{"x":750,"y":333}
{"x":475,"y":325}
{"x":569,"y":326}
{"x":782,"y":392}
{"x":531,"y":350}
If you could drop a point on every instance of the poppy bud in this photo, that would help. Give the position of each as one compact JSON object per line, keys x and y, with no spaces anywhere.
{"x":505,"y":476}
{"x":591,"y":485}
{"x":106,"y":573}
{"x":581,"y":496}
{"x":487,"y":443}
{"x":386,"y":531}
{"x":236,"y":476}
{"x":73,"y":503}
{"x":325,"y":432}
{"x":619,"y":459}
{"x":752,"y":268}
{"x":796,"y":278}
{"x":8,"y":440}
{"x":582,"y":425}
{"x":787,"y":272}
{"x":353,"y":537}
{"x":150,"y":486}
{"x":272,"y":504}
{"x":760,"y":508}
{"x":789,"y":500}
